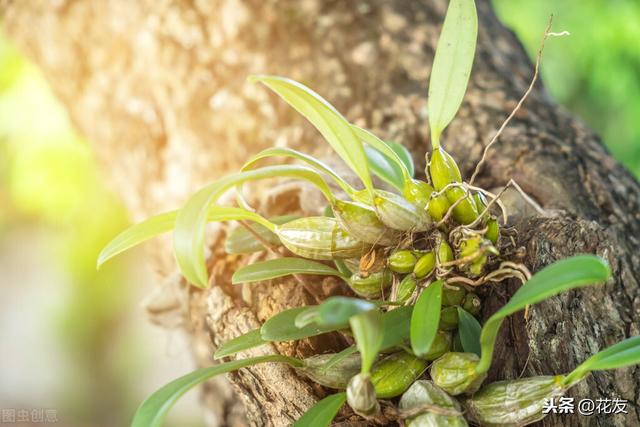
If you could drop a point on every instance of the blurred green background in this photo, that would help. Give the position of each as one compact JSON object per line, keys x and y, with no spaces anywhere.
{"x":75,"y":339}
{"x":594,"y":72}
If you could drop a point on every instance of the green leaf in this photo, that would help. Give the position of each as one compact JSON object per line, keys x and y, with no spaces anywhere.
{"x":570,"y":273}
{"x":191,"y":220}
{"x":451,"y":65}
{"x":384,"y":168}
{"x":136,"y":234}
{"x":156,"y":225}
{"x":342,"y":267}
{"x":329,"y":122}
{"x":322,"y":413}
{"x":404,"y":155}
{"x":374,"y":142}
{"x":336,"y":311}
{"x":244,"y":342}
{"x":469,"y":329}
{"x":338,"y":357}
{"x":279,"y":267}
{"x":282,"y":327}
{"x":624,"y":353}
{"x":425,"y":318}
{"x":397,"y":325}
{"x":367,"y":328}
{"x":241,"y":241}
{"x":154,"y":409}
{"x":316,"y":164}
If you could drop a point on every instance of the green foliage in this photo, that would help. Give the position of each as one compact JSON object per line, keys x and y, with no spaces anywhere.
{"x":570,"y":273}
{"x":329,"y":122}
{"x":451,"y":65}
{"x":622,"y":354}
{"x":154,"y":409}
{"x":425,"y":318}
{"x":386,"y":238}
{"x":279,"y":267}
{"x":323,"y":412}
{"x":188,"y":235}
{"x":469,"y":329}
{"x":243,"y":342}
{"x":368,"y":332}
{"x":282,"y":327}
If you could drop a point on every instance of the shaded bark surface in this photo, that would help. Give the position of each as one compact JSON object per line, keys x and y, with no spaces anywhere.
{"x":159,"y":89}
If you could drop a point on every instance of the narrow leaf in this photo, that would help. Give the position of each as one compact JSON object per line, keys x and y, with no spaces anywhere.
{"x":404,"y":155}
{"x":136,"y":234}
{"x":338,"y":357}
{"x":244,"y":342}
{"x":279,"y":267}
{"x":322,"y":413}
{"x":451,"y":65}
{"x":374,"y":142}
{"x":329,"y":122}
{"x":367,"y":328}
{"x":314,"y":163}
{"x":624,"y":353}
{"x":342,"y":267}
{"x":154,"y":409}
{"x":469,"y":329}
{"x":425,"y":318}
{"x":384,"y":168}
{"x":159,"y":224}
{"x":336,"y":311}
{"x":570,"y":273}
{"x":241,"y":241}
{"x":191,"y":220}
{"x":397,"y":324}
{"x":282,"y":327}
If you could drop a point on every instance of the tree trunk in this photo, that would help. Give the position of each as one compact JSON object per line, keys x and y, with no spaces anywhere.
{"x":159,"y":89}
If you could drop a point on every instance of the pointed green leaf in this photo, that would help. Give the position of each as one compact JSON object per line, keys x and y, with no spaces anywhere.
{"x":136,"y":234}
{"x":282,"y":327}
{"x":624,"y":353}
{"x":425,"y":318}
{"x":323,"y":412}
{"x":367,"y":328}
{"x":384,"y":168}
{"x":570,"y":273}
{"x":451,"y":65}
{"x":190,"y":224}
{"x":241,"y":241}
{"x":279,"y":267}
{"x":397,"y":325}
{"x":336,"y":311}
{"x":314,"y":163}
{"x":338,"y":357}
{"x":244,"y":342}
{"x":154,"y":409}
{"x":329,"y":122}
{"x":404,"y":155}
{"x":342,"y":267}
{"x":392,"y":154}
{"x":159,"y":224}
{"x":469,"y":330}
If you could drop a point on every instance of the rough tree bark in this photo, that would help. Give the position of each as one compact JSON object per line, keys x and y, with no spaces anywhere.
{"x":159,"y":89}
